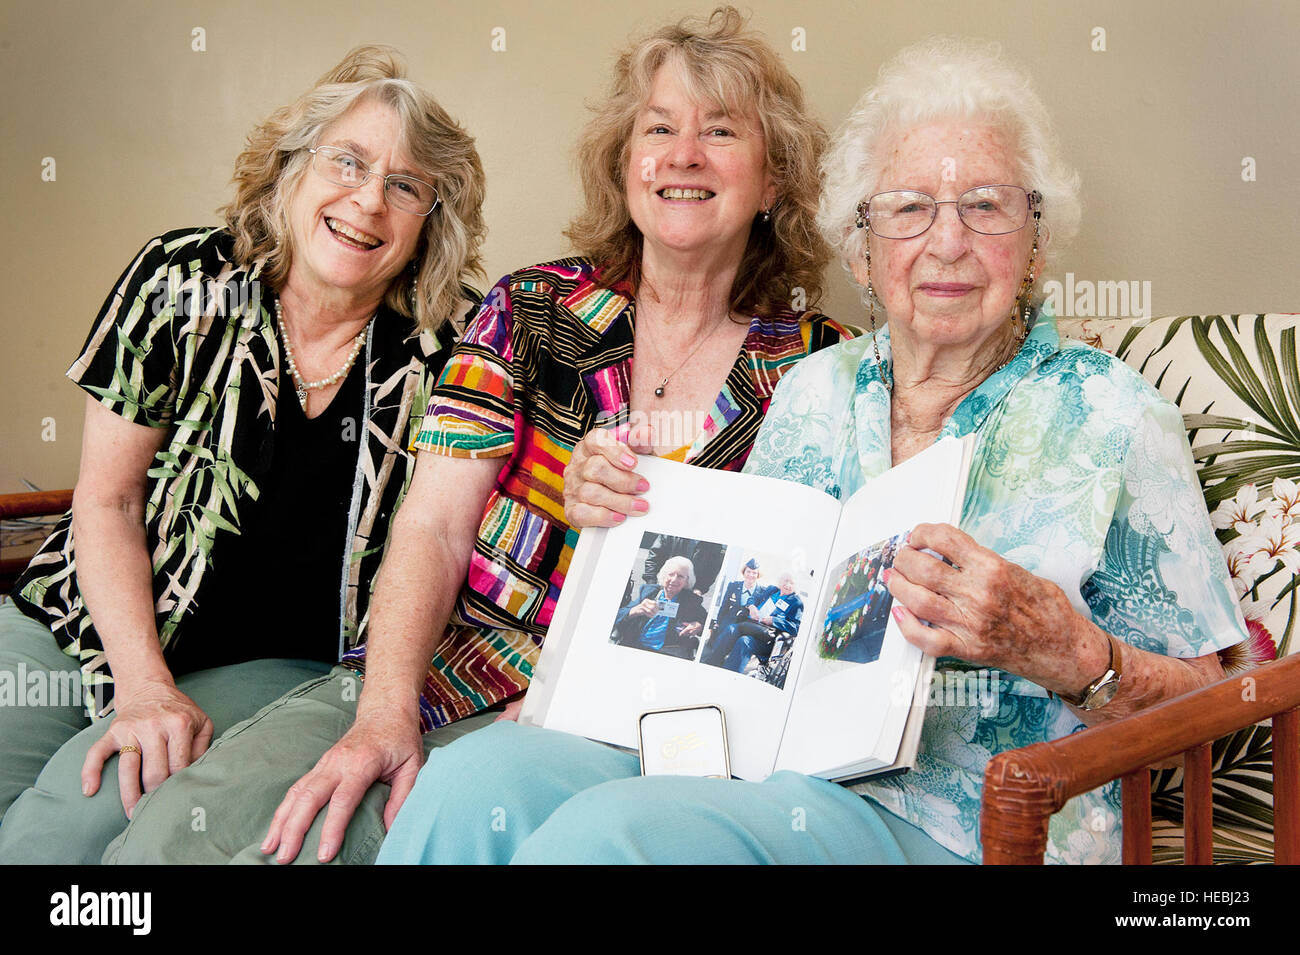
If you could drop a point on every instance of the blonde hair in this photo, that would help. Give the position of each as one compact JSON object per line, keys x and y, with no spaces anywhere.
{"x":721,"y":62}
{"x":936,"y":79}
{"x":275,"y":159}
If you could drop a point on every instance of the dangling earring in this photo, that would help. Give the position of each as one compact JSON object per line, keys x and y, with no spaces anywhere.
{"x":1022,"y":312}
{"x":767,"y":212}
{"x":871,"y":317}
{"x":862,"y":221}
{"x":414,"y":293}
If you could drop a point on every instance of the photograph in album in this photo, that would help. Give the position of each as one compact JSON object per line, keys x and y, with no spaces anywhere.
{"x":735,"y":608}
{"x":854,"y":627}
{"x":667,"y":594}
{"x":756,"y":622}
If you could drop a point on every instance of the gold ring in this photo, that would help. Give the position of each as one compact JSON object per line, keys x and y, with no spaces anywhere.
{"x":128,"y":749}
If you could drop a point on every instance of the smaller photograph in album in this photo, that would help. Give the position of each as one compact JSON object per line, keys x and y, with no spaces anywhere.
{"x":670,"y":586}
{"x":854,"y":629}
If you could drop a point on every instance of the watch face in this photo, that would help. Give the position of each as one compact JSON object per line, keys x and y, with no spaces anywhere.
{"x":1103,"y":694}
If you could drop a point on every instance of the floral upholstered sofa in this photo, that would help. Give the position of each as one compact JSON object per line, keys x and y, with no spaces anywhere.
{"x":1237,"y":381}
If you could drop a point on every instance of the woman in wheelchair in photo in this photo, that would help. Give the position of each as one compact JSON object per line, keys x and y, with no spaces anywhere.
{"x":777,"y":618}
{"x":666,"y":616}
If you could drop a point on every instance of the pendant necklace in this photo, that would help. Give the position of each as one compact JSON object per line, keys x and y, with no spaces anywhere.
{"x":659,"y":392}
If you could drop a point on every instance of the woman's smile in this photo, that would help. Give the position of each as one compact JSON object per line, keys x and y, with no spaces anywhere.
{"x":945,"y":289}
{"x":351,"y":237}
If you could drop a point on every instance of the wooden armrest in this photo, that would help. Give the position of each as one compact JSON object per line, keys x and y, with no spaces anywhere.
{"x":34,"y":503}
{"x":1024,"y":787}
{"x":27,"y":504}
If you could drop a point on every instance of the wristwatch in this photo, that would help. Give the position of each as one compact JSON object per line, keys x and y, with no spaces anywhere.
{"x":1103,"y":689}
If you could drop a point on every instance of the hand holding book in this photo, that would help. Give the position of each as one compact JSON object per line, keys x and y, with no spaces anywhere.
{"x":985,"y":610}
{"x":600,"y":486}
{"x":795,"y":638}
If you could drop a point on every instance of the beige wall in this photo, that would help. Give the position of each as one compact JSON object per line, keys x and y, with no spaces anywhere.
{"x":143,"y":131}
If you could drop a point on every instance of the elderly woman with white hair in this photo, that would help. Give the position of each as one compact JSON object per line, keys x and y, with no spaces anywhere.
{"x":1084,"y":572}
{"x":666,"y":616}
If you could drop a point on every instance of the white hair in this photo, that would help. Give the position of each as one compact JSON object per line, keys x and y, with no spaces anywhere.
{"x":937,"y":79}
{"x":682,"y":562}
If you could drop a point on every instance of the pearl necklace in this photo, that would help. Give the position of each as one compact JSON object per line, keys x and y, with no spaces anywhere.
{"x":305,"y":386}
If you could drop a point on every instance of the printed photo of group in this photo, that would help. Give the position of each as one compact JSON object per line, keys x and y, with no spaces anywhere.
{"x":729,"y":607}
{"x":855,"y":623}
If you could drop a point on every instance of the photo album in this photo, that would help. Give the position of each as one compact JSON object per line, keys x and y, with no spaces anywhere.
{"x":762,"y":597}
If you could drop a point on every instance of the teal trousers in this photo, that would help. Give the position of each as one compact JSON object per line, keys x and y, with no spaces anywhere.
{"x":517,"y":794}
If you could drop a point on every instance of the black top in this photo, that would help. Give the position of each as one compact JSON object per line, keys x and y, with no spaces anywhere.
{"x":193,"y":361}
{"x":287,"y":562}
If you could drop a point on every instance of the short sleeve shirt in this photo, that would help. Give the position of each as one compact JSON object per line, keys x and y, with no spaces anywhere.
{"x":1082,"y":475}
{"x":547,"y":359}
{"x":187,"y":342}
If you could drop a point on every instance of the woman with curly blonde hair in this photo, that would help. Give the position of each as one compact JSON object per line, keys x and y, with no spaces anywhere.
{"x":251,"y":393}
{"x":700,"y":260}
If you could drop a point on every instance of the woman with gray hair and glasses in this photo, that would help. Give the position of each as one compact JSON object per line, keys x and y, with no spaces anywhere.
{"x":1084,"y":572}
{"x":666,"y":616}
{"x":252,"y":391}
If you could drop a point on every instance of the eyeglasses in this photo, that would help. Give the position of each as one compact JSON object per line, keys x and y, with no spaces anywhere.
{"x":988,"y":210}
{"x":402,"y":192}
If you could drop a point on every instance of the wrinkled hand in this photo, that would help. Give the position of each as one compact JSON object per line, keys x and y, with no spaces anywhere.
{"x":170,"y":730}
{"x":383,"y":747}
{"x":600,"y":486}
{"x":984,"y":609}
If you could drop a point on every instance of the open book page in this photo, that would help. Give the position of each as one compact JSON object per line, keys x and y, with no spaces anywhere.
{"x":629,"y":638}
{"x":857,"y":679}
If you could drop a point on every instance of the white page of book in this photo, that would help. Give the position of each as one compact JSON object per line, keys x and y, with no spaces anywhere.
{"x":609,"y":686}
{"x":839,"y":689}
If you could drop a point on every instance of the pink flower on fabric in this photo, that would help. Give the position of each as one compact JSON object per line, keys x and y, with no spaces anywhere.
{"x":1257,"y":649}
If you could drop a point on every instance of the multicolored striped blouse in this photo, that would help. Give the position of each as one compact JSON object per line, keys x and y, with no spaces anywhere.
{"x":547,"y":359}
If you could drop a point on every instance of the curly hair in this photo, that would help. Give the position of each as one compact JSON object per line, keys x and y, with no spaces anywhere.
{"x":946,"y":78}
{"x":275,"y":159}
{"x":722,"y":63}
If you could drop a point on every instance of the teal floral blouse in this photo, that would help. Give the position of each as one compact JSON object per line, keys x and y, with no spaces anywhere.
{"x":1082,"y":475}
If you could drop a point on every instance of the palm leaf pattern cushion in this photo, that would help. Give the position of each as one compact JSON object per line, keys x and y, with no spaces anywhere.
{"x":1236,"y":381}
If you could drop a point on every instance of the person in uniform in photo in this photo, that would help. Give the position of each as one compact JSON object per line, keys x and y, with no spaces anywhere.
{"x":738,"y":614}
{"x":780,"y":622}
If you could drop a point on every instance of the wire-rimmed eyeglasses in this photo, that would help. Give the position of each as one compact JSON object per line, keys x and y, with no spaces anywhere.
{"x":988,"y":210}
{"x":402,"y":192}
